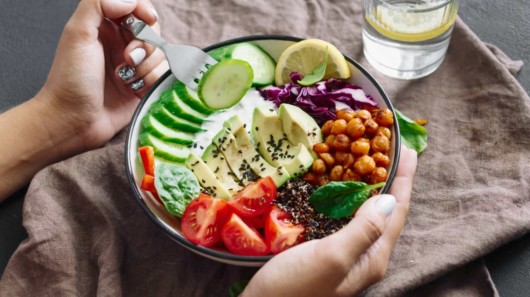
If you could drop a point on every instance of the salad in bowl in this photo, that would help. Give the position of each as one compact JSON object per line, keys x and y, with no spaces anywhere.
{"x":281,"y":143}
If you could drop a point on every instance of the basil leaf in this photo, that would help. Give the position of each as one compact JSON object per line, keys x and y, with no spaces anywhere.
{"x":236,"y":289}
{"x":341,"y":199}
{"x":317,"y":74}
{"x":176,"y":185}
{"x":413,"y":135}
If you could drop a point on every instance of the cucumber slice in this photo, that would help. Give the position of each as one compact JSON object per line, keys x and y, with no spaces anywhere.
{"x":262,"y":63}
{"x":172,"y":102}
{"x":191,"y":98}
{"x":164,"y":133}
{"x":223,"y":85}
{"x":169,"y":120}
{"x":171,"y":152}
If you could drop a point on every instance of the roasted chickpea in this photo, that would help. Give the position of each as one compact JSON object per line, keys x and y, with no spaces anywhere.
{"x":371,"y":127}
{"x":320,"y":148}
{"x":319,"y":166}
{"x":355,"y":128}
{"x":328,"y":159}
{"x":323,"y":179}
{"x":378,"y":175}
{"x":345,"y":114}
{"x":385,"y":118}
{"x":329,"y":141}
{"x":364,"y":165}
{"x":339,"y":127}
{"x":381,"y":160}
{"x":350,"y":175}
{"x":336,"y":173}
{"x":344,"y":158}
{"x":364,"y":115}
{"x":341,"y":142}
{"x":340,"y":157}
{"x":360,"y":147}
{"x":348,"y":163}
{"x":364,"y":139}
{"x":326,"y":128}
{"x":311,"y":177}
{"x":385,"y":131}
{"x":380,"y":144}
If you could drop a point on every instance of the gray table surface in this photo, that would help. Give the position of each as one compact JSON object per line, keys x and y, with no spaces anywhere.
{"x":31,"y":30}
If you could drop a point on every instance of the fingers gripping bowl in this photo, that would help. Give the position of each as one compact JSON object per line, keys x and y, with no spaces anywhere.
{"x":166,"y":218}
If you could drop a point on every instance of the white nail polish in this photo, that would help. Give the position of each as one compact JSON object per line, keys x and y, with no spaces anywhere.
{"x":137,"y":55}
{"x":385,"y":203}
{"x":153,"y":10}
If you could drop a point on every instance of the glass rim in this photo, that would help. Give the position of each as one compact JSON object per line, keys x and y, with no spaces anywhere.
{"x":415,"y":10}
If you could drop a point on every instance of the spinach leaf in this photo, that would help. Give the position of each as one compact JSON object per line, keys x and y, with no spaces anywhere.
{"x":413,"y":135}
{"x":236,"y":289}
{"x":176,"y":185}
{"x":341,"y":199}
{"x":317,"y":74}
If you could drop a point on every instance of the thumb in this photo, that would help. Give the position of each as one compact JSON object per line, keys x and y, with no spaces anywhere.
{"x":89,"y":14}
{"x":364,"y":229}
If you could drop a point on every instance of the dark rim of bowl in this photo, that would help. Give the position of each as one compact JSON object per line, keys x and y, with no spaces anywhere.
{"x":207,"y":251}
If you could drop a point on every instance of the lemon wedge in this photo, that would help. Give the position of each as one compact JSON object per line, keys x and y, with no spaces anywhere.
{"x":305,"y":56}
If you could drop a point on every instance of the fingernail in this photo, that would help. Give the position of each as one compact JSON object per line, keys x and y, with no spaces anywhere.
{"x":136,"y":85}
{"x":155,"y":14}
{"x":128,"y":1}
{"x":385,"y":203}
{"x":126,"y":72}
{"x":137,"y":55}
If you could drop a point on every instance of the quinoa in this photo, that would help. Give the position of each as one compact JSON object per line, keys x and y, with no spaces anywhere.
{"x":293,"y":197}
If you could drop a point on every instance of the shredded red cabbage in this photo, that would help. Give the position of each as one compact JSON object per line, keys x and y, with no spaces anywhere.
{"x":318,"y":100}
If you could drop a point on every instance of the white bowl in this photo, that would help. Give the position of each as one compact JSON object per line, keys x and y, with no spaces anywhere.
{"x":274,"y":45}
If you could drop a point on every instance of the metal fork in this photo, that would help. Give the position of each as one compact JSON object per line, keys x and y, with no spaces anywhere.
{"x":188,"y":63}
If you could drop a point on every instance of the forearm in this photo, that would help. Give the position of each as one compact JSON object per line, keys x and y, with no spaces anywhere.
{"x":34,"y":135}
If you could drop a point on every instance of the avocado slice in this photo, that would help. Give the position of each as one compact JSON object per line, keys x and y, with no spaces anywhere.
{"x":274,"y":145}
{"x":227,"y":145}
{"x":256,"y":162}
{"x":218,"y":164}
{"x":300,"y":127}
{"x":206,"y":177}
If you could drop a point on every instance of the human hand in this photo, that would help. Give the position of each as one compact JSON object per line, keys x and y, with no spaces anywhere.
{"x":83,"y":85}
{"x":348,"y":261}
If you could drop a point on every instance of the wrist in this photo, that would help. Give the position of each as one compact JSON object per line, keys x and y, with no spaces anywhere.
{"x":61,"y":132}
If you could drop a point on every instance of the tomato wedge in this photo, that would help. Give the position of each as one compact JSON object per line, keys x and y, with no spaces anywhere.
{"x":203,"y":220}
{"x":241,"y":239}
{"x":257,"y":222}
{"x":147,"y":153}
{"x":280,"y":233}
{"x":255,"y":199}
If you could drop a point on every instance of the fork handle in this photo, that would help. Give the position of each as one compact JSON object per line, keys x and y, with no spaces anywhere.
{"x":142,"y":31}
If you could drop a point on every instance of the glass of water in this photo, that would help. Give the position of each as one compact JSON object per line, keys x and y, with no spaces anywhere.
{"x":407,"y":39}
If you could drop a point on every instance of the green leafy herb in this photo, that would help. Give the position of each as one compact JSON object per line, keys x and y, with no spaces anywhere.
{"x":176,"y":185}
{"x":317,"y":74}
{"x":237,"y":288}
{"x":413,"y":135}
{"x":341,"y":199}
